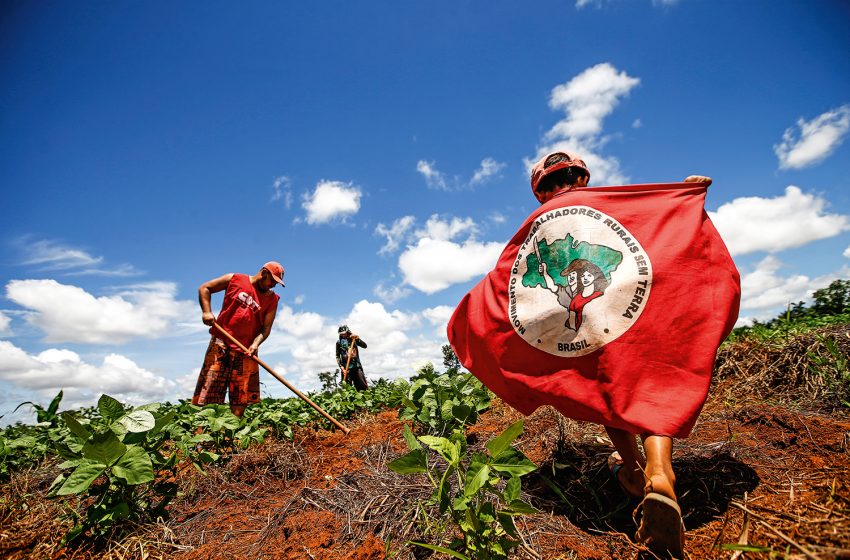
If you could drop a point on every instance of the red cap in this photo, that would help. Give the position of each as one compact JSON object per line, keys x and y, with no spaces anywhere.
{"x":540,"y":170}
{"x":276,"y":270}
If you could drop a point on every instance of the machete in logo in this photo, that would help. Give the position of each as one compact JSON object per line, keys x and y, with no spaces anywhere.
{"x":579,"y":281}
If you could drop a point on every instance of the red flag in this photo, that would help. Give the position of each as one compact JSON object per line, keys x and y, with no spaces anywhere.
{"x":621,"y":328}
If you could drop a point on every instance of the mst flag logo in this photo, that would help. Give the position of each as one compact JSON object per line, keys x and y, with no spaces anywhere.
{"x":579,"y":281}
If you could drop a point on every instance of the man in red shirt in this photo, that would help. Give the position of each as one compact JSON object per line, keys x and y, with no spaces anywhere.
{"x":247,"y":313}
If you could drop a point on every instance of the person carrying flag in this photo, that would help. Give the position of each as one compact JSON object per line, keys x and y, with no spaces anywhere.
{"x":247,"y":313}
{"x":348,"y":358}
{"x":617,"y":360}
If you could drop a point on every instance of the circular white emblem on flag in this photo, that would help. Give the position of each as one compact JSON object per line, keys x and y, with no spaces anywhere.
{"x":579,"y":281}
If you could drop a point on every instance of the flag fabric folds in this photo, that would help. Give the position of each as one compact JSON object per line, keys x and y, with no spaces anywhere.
{"x":609,"y":304}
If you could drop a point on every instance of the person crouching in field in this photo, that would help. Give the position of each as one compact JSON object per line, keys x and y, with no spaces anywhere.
{"x":247,"y":313}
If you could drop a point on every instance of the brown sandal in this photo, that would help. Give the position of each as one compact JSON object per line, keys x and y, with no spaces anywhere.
{"x":661,"y":528}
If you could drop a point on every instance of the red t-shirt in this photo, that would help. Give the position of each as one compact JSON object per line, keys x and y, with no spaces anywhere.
{"x":243,"y":310}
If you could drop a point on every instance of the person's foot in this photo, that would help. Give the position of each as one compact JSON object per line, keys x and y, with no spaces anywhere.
{"x":660,"y":483}
{"x":632,"y":483}
{"x":661,"y":529}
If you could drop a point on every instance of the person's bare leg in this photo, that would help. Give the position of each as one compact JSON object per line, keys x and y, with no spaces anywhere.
{"x":659,"y":465}
{"x":631,"y":474}
{"x":661,"y":527}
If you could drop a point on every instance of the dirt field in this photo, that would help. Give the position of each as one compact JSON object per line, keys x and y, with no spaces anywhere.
{"x":758,"y":474}
{"x":765,"y":474}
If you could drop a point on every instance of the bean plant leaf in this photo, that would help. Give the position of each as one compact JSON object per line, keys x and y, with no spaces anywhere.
{"x":518,"y":506}
{"x":410,"y":438}
{"x":501,"y":442}
{"x":56,"y":484}
{"x":69,"y":464}
{"x":476,"y":478}
{"x":138,"y":421}
{"x":104,"y":448}
{"x":512,"y":489}
{"x":462,"y":412}
{"x":110,"y":409}
{"x":76,"y":428}
{"x":120,"y":511}
{"x":513,"y":462}
{"x":150,"y":407}
{"x":443,"y":446}
{"x":450,"y":552}
{"x":54,"y":404}
{"x":413,"y":462}
{"x":446,"y":411}
{"x":134,"y":466}
{"x":163,"y":421}
{"x":82,"y":477}
{"x":507,"y":523}
{"x":24,"y":442}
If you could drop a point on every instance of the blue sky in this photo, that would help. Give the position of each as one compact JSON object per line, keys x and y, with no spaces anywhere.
{"x":379,"y":151}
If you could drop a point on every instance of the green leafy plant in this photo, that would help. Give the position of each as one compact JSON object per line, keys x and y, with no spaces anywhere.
{"x":22,"y":445}
{"x":444,"y":403}
{"x":112,"y":463}
{"x":480,"y":493}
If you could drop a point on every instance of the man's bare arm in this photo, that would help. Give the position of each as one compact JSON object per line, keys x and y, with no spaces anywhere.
{"x":268,"y":321}
{"x":204,"y":296}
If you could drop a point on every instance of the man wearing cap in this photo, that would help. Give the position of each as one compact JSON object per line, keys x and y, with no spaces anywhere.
{"x":247,"y":313}
{"x":637,"y":474}
{"x":348,"y":357}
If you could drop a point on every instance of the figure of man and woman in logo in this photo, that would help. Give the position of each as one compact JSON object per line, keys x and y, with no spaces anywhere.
{"x":585,"y":283}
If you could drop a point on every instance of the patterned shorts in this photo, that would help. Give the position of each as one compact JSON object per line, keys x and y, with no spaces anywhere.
{"x":226,"y":370}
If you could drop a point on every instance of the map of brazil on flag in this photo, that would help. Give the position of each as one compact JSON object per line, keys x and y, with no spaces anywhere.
{"x":609,"y":304}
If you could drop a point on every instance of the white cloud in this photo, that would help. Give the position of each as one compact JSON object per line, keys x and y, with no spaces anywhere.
{"x":5,"y":324}
{"x":433,"y":177}
{"x":436,"y":261}
{"x":331,"y":200}
{"x":586,"y":100}
{"x":47,"y":254}
{"x":765,"y":294}
{"x":301,"y":323}
{"x":390,"y":294}
{"x":54,"y":256}
{"x":442,"y":230}
{"x":439,"y":317}
{"x":55,"y":369}
{"x":847,"y":252}
{"x":299,"y":299}
{"x":813,"y":141}
{"x":489,"y":168}
{"x":282,"y":190}
{"x":763,"y":288}
{"x":751,"y":224}
{"x":303,"y":343}
{"x":637,"y":123}
{"x":70,"y":314}
{"x":436,"y":179}
{"x":387,"y":329}
{"x":433,"y":265}
{"x":395,"y":233}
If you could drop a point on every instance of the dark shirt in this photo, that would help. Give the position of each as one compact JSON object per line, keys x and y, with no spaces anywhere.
{"x":342,"y":347}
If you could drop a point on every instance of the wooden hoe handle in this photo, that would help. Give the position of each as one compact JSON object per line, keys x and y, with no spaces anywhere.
{"x":280,"y":378}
